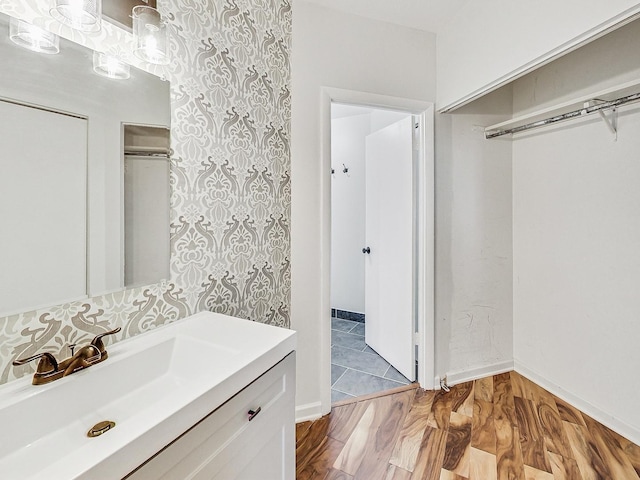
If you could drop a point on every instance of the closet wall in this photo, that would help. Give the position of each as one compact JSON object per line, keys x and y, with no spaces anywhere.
{"x":576,"y":237}
{"x":473,"y":291}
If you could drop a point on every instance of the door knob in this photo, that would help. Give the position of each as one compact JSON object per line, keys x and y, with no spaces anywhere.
{"x":366,"y":250}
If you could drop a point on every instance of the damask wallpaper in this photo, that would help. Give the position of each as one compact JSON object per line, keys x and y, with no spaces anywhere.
{"x":230,"y":178}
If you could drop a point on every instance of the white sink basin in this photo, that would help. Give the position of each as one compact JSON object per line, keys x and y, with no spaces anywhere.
{"x":153,"y":386}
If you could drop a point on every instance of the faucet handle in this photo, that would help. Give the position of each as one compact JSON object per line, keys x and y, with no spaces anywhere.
{"x":47,"y":363}
{"x":83,"y":358}
{"x":97,"y":341}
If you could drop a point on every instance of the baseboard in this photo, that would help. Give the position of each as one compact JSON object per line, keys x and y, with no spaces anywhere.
{"x":347,"y":315}
{"x":308,"y":411}
{"x":476,"y":373}
{"x":629,"y":432}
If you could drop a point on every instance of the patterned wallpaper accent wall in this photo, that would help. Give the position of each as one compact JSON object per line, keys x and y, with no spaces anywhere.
{"x":230,"y":178}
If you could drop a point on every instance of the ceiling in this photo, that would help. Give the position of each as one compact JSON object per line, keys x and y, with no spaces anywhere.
{"x":429,"y":15}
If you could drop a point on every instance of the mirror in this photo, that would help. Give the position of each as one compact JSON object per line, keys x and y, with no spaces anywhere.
{"x":84,"y":177}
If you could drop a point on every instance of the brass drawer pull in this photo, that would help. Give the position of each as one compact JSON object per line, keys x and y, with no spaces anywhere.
{"x":254,"y":413}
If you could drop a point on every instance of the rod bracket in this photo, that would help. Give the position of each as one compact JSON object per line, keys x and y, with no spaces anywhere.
{"x":611,"y":122}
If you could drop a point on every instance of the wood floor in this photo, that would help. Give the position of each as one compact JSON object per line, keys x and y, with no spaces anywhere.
{"x":498,"y":428}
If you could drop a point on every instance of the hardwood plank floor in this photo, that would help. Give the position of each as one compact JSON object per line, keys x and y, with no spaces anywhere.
{"x":497,"y":428}
{"x":407,"y":448}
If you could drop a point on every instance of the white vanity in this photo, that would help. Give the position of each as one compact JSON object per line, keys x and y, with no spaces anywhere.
{"x":209,"y":396}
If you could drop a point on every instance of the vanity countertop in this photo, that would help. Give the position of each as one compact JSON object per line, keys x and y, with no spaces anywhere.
{"x":153,"y":386}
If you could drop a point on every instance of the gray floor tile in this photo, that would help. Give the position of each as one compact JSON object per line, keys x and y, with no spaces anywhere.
{"x":368,"y":349}
{"x":336,"y":372}
{"x":359,"y":383}
{"x":342,"y":325}
{"x":344,"y":339}
{"x":392,"y":374}
{"x":362,"y":361}
{"x":358,"y":329}
{"x":356,"y":369}
{"x":336,"y":396}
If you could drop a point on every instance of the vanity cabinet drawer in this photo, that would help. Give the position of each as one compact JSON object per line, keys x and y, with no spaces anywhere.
{"x":230,"y":443}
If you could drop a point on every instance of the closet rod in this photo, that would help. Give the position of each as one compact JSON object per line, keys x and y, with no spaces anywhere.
{"x":567,"y":116}
{"x":160,"y":152}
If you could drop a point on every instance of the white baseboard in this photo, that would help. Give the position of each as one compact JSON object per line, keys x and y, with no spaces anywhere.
{"x":308,"y":411}
{"x":629,"y":432}
{"x":475,"y":373}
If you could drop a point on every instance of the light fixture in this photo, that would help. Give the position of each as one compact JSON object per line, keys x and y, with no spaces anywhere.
{"x":149,"y":35}
{"x":110,"y":66}
{"x":34,"y":38}
{"x":78,"y":14}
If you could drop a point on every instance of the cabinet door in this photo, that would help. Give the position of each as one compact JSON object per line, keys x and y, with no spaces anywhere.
{"x":226,"y":445}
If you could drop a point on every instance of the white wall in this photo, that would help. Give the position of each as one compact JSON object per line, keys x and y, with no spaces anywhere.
{"x":473,"y":243}
{"x":577,"y":240}
{"x":348,"y":211}
{"x":349,"y":52}
{"x":489,"y":41}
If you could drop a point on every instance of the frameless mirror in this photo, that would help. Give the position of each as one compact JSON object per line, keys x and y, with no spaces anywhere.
{"x":84,"y":177}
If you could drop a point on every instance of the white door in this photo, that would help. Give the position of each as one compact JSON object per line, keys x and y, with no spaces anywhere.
{"x":43,"y":195}
{"x":389,"y":238}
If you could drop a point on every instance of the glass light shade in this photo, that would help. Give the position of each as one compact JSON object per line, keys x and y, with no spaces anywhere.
{"x":79,"y":14}
{"x":149,"y":35}
{"x":34,"y":38}
{"x":110,"y":66}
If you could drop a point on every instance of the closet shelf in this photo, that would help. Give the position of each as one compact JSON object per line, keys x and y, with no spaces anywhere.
{"x":551,"y":113}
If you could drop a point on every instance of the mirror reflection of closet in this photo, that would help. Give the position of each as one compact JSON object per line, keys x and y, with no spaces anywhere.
{"x":146,"y":185}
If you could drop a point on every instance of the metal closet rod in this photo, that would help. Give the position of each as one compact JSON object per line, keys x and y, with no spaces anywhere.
{"x":160,"y":152}
{"x":567,"y":116}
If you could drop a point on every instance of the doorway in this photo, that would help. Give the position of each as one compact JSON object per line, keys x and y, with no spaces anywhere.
{"x":372,"y":245}
{"x":347,"y":315}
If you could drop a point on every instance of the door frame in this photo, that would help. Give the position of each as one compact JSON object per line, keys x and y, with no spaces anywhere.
{"x":425,"y":201}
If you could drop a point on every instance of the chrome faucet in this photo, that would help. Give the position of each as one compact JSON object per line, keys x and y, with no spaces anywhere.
{"x":49,"y":369}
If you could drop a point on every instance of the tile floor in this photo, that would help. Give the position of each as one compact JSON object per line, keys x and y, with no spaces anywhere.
{"x":356,"y":369}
